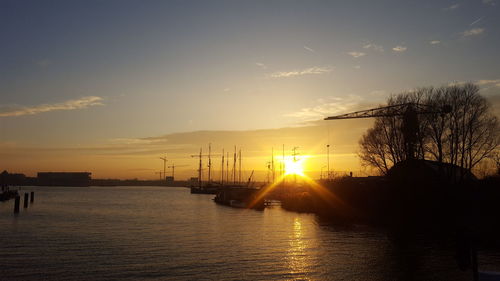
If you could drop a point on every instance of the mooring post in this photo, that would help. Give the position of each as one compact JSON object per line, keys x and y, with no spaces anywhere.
{"x":16,"y":204}
{"x":26,"y":194}
{"x":32,"y":199}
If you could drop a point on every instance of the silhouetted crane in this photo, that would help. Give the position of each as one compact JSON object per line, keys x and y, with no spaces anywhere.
{"x":173,"y":169}
{"x":161,"y":173}
{"x":164,"y":164}
{"x":409,"y":113}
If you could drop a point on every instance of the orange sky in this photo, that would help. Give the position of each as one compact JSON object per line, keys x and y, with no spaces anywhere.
{"x":139,"y":158}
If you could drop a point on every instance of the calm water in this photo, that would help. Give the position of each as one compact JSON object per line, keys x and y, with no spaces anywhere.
{"x":154,"y":233}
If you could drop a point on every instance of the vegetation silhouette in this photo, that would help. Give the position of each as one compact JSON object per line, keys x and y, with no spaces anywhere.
{"x":464,"y":137}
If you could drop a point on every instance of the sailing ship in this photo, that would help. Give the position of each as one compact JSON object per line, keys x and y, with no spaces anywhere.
{"x":212,"y":187}
{"x":208,"y":187}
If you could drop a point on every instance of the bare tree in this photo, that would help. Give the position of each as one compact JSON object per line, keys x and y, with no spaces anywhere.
{"x":375,"y":150}
{"x":464,"y":137}
{"x":384,"y":144}
{"x":496,"y":159}
{"x":470,"y":131}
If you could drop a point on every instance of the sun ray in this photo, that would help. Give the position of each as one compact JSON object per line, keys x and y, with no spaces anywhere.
{"x":324,"y":193}
{"x":265,"y":190}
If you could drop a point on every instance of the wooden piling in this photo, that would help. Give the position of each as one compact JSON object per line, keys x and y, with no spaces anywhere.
{"x":32,"y":198}
{"x":16,"y":204}
{"x":26,"y":195}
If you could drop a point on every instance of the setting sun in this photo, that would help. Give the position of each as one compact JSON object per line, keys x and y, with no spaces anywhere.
{"x":294,"y":167}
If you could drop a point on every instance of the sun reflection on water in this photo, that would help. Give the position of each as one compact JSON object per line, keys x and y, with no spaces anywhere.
{"x":296,"y":258}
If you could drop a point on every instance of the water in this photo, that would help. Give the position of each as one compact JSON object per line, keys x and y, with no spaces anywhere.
{"x":155,"y":233}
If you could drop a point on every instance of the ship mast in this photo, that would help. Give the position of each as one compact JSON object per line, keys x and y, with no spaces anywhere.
{"x":209,"y":162}
{"x":272,"y":164}
{"x":283,"y":165}
{"x":295,"y":160}
{"x":239,"y":174}
{"x":222,"y":169}
{"x":234,"y":165}
{"x":200,"y":168}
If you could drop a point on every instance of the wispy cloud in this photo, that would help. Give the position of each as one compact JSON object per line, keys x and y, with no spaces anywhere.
{"x":452,"y":7}
{"x":456,"y":83}
{"x":473,"y":32}
{"x":476,"y":21}
{"x":399,"y":49}
{"x":309,"y":49}
{"x":435,"y":42}
{"x":494,"y":83}
{"x":261,"y":65}
{"x":374,"y":47}
{"x":356,"y":54}
{"x":326,"y":107}
{"x":138,"y":141}
{"x":488,"y":83}
{"x":67,"y":105}
{"x":307,"y":71}
{"x":489,"y":2}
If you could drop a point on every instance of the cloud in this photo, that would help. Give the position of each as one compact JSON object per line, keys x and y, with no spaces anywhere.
{"x":476,"y":21}
{"x":452,"y":7}
{"x":309,"y":49}
{"x":261,"y":65}
{"x":327,"y":107}
{"x":495,"y":83}
{"x":485,"y":83}
{"x":357,"y":67}
{"x":356,"y":54}
{"x":136,"y":141}
{"x":489,"y":2}
{"x":399,"y":49}
{"x":67,"y":105}
{"x":307,"y":71}
{"x":374,"y":47}
{"x":435,"y":42}
{"x":457,"y":83}
{"x":473,"y":32}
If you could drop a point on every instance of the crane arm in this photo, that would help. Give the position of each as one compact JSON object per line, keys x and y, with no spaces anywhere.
{"x":409,"y":114}
{"x":392,"y":110}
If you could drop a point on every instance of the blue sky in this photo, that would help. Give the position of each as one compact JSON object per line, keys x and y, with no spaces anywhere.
{"x":80,"y":73}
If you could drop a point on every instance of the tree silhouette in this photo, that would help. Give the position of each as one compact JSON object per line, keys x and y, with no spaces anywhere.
{"x":464,"y":137}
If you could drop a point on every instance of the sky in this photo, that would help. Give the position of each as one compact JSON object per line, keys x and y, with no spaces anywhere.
{"x":110,"y":86}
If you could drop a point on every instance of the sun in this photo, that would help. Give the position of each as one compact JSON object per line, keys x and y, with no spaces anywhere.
{"x":294,"y":167}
